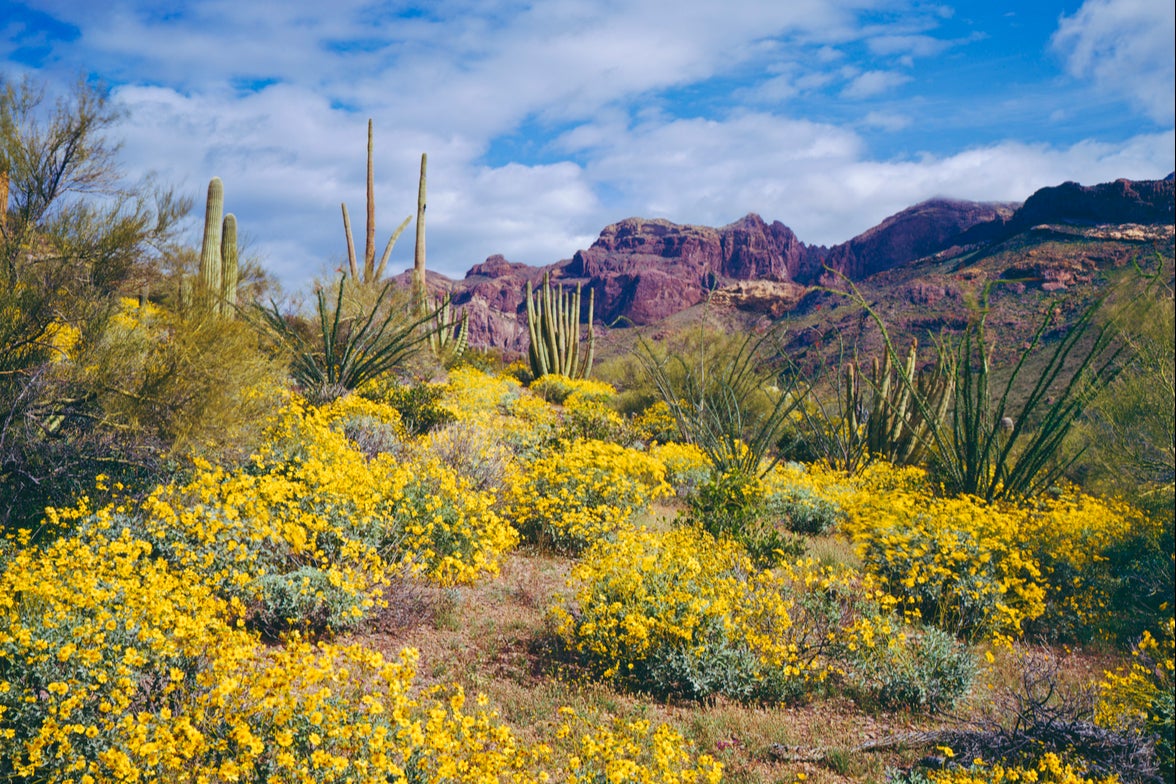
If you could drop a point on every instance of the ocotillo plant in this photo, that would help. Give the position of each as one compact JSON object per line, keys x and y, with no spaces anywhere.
{"x":371,"y":273}
{"x":553,"y":321}
{"x":218,"y":254}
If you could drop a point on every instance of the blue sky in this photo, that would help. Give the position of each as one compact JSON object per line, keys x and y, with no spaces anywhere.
{"x":546,"y":121}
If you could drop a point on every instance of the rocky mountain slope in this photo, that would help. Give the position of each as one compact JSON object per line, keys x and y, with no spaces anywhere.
{"x":643,"y":271}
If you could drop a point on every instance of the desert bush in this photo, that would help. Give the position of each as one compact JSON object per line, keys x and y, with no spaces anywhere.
{"x":589,"y":417}
{"x":686,"y":466}
{"x":451,"y":532}
{"x":305,"y":601}
{"x":419,"y":405}
{"x":1130,"y":428}
{"x":556,"y":388}
{"x":474,"y":452}
{"x":686,"y":614}
{"x":735,"y":505}
{"x":1050,"y":768}
{"x":654,"y":424}
{"x":583,"y":491}
{"x":959,"y":561}
{"x":1138,"y":698}
{"x":197,"y":382}
{"x":928,"y":670}
{"x":634,"y":751}
{"x":805,"y":511}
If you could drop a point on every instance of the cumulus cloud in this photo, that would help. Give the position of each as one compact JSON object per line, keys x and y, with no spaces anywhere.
{"x":1125,"y":46}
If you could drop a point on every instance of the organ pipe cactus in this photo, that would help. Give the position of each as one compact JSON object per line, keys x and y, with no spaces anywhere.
{"x":219,"y":257}
{"x":449,"y":335}
{"x":895,"y":428}
{"x":553,"y":321}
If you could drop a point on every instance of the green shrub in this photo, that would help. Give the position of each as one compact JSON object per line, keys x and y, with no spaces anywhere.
{"x":930,"y":671}
{"x":305,"y":601}
{"x":419,"y":405}
{"x":736,"y":505}
{"x":805,"y":511}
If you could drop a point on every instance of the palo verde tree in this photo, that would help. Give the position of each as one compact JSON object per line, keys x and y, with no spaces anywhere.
{"x":73,"y":234}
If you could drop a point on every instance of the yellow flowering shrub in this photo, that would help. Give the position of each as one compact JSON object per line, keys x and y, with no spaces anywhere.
{"x":1049,"y":769}
{"x":1074,"y":538}
{"x":583,"y":491}
{"x":1139,"y":698}
{"x":959,"y":561}
{"x":472,"y":393}
{"x":587,"y":416}
{"x":451,"y":531}
{"x":685,"y":613}
{"x":655,"y":423}
{"x":95,"y":633}
{"x":556,"y":388}
{"x":633,"y":752}
{"x":687,"y":466}
{"x":1048,"y":565}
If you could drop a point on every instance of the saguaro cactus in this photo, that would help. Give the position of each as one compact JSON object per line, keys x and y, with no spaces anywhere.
{"x":210,"y":248}
{"x":371,"y":273}
{"x":230,"y":271}
{"x":553,"y":321}
{"x":418,"y":254}
{"x":219,"y":257}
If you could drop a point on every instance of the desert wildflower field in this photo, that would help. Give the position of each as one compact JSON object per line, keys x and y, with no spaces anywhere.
{"x":522,"y":592}
{"x":333,"y":540}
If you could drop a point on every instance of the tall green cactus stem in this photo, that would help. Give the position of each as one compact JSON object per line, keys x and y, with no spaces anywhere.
{"x":230,"y":270}
{"x":897,"y":429}
{"x":369,"y":240}
{"x":210,"y":248}
{"x":371,"y":273}
{"x":449,"y":336}
{"x":553,"y":321}
{"x":418,"y":256}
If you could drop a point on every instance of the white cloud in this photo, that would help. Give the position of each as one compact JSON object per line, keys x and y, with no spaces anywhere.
{"x":1125,"y":46}
{"x":871,"y":83}
{"x":458,"y":80}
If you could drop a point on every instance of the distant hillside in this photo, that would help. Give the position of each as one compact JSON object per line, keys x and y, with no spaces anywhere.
{"x":644,"y":271}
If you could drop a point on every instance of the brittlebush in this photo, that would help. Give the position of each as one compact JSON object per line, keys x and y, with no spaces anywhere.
{"x":582,"y":492}
{"x":687,"y":614}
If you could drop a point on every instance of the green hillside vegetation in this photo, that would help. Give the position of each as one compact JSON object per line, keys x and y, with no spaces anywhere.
{"x":244,"y":543}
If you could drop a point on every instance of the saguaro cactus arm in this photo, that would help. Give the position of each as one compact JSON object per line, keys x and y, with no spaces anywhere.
{"x":230,"y":265}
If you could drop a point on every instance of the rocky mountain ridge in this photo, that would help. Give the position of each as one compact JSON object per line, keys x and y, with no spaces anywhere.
{"x":645,"y":270}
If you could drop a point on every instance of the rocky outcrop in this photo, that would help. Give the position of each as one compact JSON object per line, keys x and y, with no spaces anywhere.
{"x":1121,"y":201}
{"x":923,"y":230}
{"x":645,"y":270}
